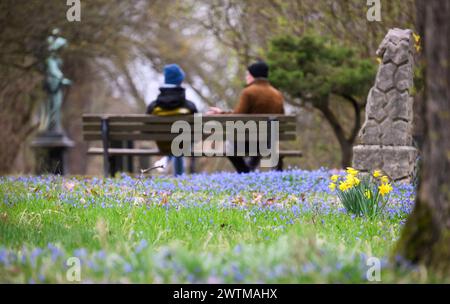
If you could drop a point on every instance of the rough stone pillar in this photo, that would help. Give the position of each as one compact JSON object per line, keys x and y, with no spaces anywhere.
{"x":386,"y":139}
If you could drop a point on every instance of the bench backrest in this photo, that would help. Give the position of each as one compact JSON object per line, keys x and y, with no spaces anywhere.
{"x":157,"y":128}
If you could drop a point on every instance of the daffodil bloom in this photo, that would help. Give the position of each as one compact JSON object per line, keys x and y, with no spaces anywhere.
{"x":352,"y":171}
{"x":368,"y":194}
{"x":385,"y":180}
{"x":417,"y":39}
{"x":349,"y":181}
{"x":385,"y":189}
{"x":343,"y":186}
{"x":335,"y":178}
{"x":352,"y":181}
{"x":332,"y":186}
{"x":377,"y":174}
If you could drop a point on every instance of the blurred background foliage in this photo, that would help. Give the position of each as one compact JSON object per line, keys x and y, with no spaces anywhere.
{"x":313,"y":69}
{"x":214,"y":41}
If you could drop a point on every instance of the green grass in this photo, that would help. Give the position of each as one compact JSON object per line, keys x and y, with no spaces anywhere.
{"x":194,"y":237}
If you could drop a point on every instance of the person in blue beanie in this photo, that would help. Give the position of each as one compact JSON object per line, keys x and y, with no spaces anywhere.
{"x":170,"y":102}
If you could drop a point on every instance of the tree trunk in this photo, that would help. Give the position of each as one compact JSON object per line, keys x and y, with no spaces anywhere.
{"x":347,"y":154}
{"x":345,"y":144}
{"x":426,"y":236}
{"x":358,"y":124}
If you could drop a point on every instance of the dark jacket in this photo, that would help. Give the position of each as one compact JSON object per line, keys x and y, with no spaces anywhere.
{"x":260,"y":97}
{"x":171,"y":102}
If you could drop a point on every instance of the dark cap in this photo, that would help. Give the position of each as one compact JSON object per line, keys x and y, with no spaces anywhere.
{"x":259,"y":70}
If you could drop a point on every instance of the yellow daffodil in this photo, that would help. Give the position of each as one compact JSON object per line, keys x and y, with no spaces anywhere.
{"x":417,"y":40}
{"x":352,"y":171}
{"x":385,"y":189}
{"x":377,"y":174}
{"x":343,"y":186}
{"x":335,"y":178}
{"x":332,"y":186}
{"x":368,"y":194}
{"x":349,"y":180}
{"x":385,"y":179}
{"x":352,"y":181}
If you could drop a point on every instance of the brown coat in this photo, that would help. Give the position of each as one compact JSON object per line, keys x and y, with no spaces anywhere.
{"x":260,"y":97}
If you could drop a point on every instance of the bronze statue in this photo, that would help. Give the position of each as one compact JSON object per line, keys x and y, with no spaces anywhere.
{"x":54,"y":83}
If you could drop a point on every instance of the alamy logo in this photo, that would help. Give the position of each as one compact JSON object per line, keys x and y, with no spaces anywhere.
{"x":374,"y":12}
{"x":236,"y":138}
{"x":74,"y":12}
{"x":374,"y":271}
{"x":73,"y":274}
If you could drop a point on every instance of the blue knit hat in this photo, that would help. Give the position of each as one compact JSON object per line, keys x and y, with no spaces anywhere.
{"x":173,"y":74}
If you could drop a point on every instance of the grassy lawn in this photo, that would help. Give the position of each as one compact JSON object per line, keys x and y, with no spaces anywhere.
{"x":221,"y":228}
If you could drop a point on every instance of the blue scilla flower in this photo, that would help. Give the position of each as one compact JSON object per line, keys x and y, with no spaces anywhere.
{"x":3,"y":257}
{"x":127,"y":268}
{"x":101,"y":255}
{"x":142,"y":245}
{"x":34,"y":255}
{"x":80,"y":253}
{"x":308,"y":267}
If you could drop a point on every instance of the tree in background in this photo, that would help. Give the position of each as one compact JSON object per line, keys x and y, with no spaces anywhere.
{"x":426,"y":236}
{"x":345,"y":21}
{"x":312,"y":69}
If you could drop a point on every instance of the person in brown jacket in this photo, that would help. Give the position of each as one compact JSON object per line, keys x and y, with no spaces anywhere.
{"x":259,"y":97}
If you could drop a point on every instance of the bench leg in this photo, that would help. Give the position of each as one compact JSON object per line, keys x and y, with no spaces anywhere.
{"x":105,"y":140}
{"x":280,"y":164}
{"x":192,"y":165}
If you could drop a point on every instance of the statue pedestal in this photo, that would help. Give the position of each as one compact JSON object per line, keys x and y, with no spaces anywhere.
{"x":51,"y":152}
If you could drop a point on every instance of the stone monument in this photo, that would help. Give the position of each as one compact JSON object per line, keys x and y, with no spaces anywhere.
{"x":51,"y":142}
{"x":386,"y":139}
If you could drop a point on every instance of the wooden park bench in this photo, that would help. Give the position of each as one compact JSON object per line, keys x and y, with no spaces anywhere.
{"x":132,"y":128}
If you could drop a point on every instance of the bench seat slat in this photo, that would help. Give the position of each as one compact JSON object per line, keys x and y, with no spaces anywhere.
{"x":125,"y":152}
{"x":189,"y":118}
{"x":156,"y":152}
{"x":158,"y":136}
{"x":130,"y":127}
